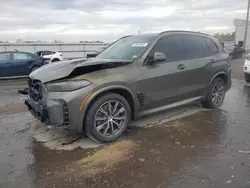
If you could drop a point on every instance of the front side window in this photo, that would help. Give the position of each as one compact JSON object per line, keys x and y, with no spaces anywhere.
{"x":128,"y":48}
{"x":21,"y":56}
{"x":172,"y":47}
{"x":5,"y":56}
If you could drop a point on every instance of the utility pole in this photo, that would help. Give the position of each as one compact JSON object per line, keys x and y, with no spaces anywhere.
{"x":246,"y":29}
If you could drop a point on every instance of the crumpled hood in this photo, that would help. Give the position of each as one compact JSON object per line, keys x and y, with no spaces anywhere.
{"x":62,"y":69}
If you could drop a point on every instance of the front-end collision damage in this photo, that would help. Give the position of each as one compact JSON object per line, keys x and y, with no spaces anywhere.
{"x":70,"y":69}
{"x":54,"y":110}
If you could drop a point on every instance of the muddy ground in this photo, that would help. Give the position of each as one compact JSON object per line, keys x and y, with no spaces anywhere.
{"x":182,"y":148}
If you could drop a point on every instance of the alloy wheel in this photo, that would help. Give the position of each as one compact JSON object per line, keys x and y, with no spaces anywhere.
{"x":110,"y":118}
{"x":218,"y":93}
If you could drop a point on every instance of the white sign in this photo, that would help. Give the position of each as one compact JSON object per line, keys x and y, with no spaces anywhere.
{"x":140,"y":45}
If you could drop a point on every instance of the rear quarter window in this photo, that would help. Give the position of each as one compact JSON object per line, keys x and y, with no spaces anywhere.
{"x":211,"y":45}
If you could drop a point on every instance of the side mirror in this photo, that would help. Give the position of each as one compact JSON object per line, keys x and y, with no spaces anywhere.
{"x":159,"y":56}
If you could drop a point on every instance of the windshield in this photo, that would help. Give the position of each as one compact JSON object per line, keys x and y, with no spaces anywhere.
{"x":127,"y":48}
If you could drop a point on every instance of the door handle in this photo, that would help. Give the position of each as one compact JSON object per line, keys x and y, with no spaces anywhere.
{"x":181,"y":66}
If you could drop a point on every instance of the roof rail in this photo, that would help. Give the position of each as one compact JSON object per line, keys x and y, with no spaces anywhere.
{"x":125,"y":36}
{"x":195,"y":32}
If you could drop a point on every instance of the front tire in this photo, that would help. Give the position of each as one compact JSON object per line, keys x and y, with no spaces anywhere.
{"x":107,"y":118}
{"x":216,"y":94}
{"x":247,"y":77}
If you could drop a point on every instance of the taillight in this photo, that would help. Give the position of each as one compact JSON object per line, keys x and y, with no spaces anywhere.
{"x":46,"y":61}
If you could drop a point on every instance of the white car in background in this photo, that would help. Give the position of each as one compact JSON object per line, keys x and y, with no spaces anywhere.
{"x":53,"y":56}
{"x":246,"y":68}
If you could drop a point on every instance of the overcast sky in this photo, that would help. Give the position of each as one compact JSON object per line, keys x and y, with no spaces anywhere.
{"x":107,"y":20}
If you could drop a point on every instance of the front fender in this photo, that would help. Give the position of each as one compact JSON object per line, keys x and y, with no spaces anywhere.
{"x":97,"y":93}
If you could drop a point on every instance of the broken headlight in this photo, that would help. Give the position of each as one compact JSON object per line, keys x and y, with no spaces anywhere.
{"x":69,"y":85}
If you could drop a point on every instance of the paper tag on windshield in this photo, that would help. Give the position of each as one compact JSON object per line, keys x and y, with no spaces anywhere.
{"x":140,"y":45}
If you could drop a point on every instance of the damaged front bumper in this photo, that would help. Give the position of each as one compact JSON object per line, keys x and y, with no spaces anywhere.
{"x":55,"y":112}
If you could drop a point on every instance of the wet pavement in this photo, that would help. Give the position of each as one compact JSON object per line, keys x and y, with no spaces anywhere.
{"x":185,"y":147}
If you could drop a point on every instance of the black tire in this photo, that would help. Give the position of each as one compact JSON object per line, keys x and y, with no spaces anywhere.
{"x":247,"y":77}
{"x":55,"y":60}
{"x":208,"y":103}
{"x":90,"y":126}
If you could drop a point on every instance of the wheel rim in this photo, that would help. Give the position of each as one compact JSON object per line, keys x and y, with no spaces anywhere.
{"x":110,"y":118}
{"x":218,"y":93}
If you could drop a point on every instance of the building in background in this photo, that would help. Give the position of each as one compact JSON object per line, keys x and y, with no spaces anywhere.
{"x":240,"y":32}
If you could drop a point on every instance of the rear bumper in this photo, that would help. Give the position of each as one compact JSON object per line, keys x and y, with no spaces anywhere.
{"x":54,"y":113}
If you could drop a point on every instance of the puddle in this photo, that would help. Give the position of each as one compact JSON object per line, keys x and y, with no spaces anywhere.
{"x":58,"y":138}
{"x":62,"y":139}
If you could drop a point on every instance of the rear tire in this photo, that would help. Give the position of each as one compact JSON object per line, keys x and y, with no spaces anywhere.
{"x":107,"y":118}
{"x":247,"y":77}
{"x":216,"y":94}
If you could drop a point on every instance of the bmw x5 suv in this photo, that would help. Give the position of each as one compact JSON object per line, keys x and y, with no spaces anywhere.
{"x":135,"y":75}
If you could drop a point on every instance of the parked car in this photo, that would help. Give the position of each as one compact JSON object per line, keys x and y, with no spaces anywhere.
{"x":18,"y":64}
{"x":238,"y":52}
{"x":53,"y":56}
{"x":134,"y":76}
{"x":246,"y":68}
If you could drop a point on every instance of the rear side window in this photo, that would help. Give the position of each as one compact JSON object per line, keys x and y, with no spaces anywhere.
{"x":196,"y":47}
{"x":21,"y":56}
{"x":211,"y":45}
{"x":172,"y":47}
{"x":47,"y":52}
{"x":38,"y":53}
{"x":5,"y":56}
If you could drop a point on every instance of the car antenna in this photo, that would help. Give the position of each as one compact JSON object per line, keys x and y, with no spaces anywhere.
{"x":16,"y":50}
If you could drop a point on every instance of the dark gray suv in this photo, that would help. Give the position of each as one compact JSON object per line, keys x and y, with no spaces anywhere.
{"x":135,"y":75}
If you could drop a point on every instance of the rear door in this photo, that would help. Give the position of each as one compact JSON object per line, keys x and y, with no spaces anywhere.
{"x":5,"y":62}
{"x":197,"y":64}
{"x":21,"y":63}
